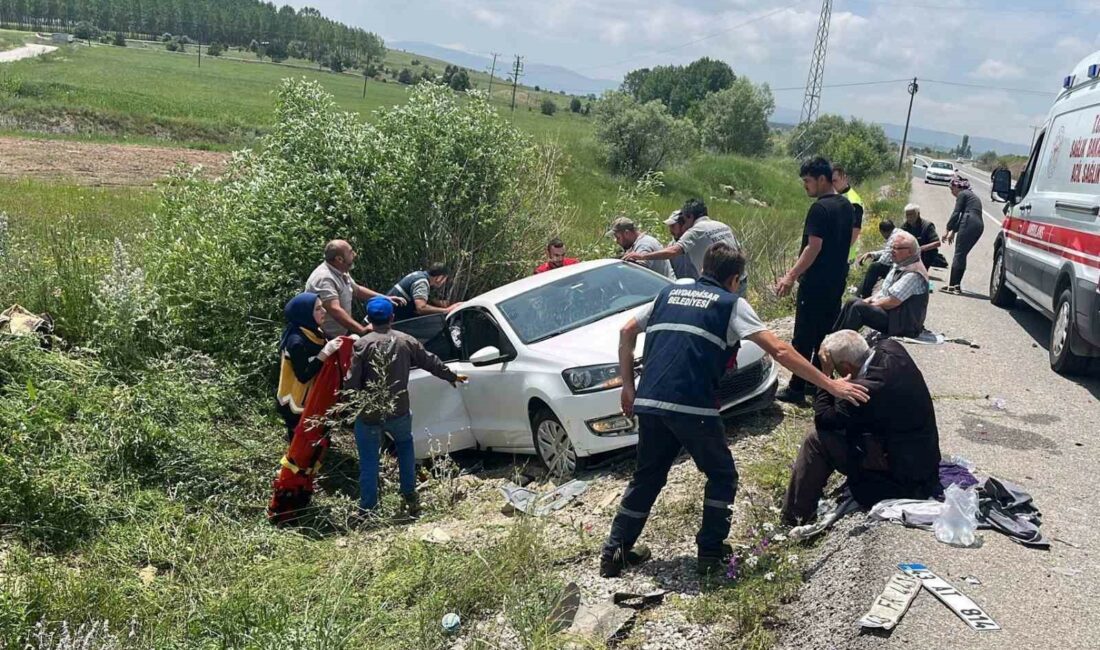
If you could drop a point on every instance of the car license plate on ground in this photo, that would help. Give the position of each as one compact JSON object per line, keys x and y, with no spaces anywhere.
{"x":893,"y":602}
{"x":961,"y":604}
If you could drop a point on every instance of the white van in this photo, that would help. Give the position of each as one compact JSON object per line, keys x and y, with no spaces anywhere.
{"x":1048,"y":251}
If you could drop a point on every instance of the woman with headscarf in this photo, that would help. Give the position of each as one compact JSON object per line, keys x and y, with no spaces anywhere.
{"x":302,"y":351}
{"x":967,"y":226}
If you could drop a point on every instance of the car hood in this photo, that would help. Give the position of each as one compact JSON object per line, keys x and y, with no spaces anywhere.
{"x":598,"y":343}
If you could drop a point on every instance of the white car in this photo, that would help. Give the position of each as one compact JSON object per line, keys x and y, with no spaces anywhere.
{"x":541,"y":354}
{"x":940,"y":171}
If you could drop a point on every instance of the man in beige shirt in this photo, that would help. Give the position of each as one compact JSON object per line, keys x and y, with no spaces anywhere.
{"x":332,"y":283}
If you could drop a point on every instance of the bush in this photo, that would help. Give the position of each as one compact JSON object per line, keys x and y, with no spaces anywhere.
{"x":861,"y":147}
{"x":441,"y":178}
{"x":129,"y":323}
{"x":173,"y":46}
{"x":575,"y":105}
{"x":459,"y":81}
{"x":85,"y":30}
{"x":165,"y":37}
{"x":638,"y":138}
{"x":405,"y":76}
{"x":735,"y":120}
{"x":215,"y":49}
{"x":119,"y":40}
{"x":548,"y":107}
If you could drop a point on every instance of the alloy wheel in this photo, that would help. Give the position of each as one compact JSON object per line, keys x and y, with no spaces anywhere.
{"x":1061,"y":330}
{"x":555,"y":448}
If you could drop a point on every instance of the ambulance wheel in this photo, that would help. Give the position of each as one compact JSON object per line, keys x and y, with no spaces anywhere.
{"x":999,"y":293}
{"x":553,"y":445}
{"x":1062,"y":359}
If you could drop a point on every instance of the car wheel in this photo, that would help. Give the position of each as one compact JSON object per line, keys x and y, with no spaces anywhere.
{"x":553,"y":445}
{"x":1062,"y":359}
{"x":999,"y":293}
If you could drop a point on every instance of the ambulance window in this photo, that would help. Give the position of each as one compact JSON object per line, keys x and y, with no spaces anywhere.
{"x":1024,"y":182}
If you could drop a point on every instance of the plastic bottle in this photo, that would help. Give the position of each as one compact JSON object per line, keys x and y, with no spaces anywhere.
{"x":958,"y":522}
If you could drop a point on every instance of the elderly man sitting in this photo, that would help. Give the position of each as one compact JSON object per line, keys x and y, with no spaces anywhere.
{"x":888,"y":448}
{"x":901,"y":304}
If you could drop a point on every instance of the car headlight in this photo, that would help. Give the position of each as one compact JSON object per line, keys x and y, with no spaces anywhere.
{"x":590,"y":379}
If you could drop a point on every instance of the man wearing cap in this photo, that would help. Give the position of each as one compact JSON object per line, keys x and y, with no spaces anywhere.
{"x":627,"y":236}
{"x":381,"y":362}
{"x":332,"y":283}
{"x":415,"y":288}
{"x":700,"y":232}
{"x":681,"y":264}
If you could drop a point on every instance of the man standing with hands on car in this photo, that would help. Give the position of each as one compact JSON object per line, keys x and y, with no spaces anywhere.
{"x":821,"y":270}
{"x":691,"y":330}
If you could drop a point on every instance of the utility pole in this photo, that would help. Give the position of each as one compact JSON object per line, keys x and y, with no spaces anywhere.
{"x":492,"y":70}
{"x":913,"y":88}
{"x":365,"y":82}
{"x":812,"y":101}
{"x":517,"y":70}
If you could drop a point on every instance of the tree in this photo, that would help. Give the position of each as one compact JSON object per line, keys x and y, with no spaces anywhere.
{"x":575,"y":105}
{"x":638,"y":138}
{"x":119,"y":39}
{"x":277,"y":51}
{"x":548,"y":107}
{"x":215,"y":49}
{"x":405,"y":76}
{"x":735,"y":120}
{"x":836,"y":139}
{"x":459,"y":81}
{"x":679,"y":87}
{"x":86,"y":31}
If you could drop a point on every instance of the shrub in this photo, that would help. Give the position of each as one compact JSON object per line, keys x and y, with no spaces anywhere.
{"x":548,"y":107}
{"x":440,"y":178}
{"x":638,"y":138}
{"x":215,"y":49}
{"x":735,"y":120}
{"x":129,"y":321}
{"x":86,"y":31}
{"x":405,"y":76}
{"x":575,"y":105}
{"x":119,"y":40}
{"x":459,"y":81}
{"x":165,"y":37}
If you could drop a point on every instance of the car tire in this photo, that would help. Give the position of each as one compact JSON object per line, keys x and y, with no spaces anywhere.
{"x":1062,"y":359}
{"x":999,"y":293}
{"x":553,"y":445}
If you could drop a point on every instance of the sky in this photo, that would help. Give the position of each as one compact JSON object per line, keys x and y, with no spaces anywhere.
{"x":1008,"y":45}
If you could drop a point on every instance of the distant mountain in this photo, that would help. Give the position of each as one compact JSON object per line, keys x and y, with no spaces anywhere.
{"x":548,"y":77}
{"x":921,"y":137}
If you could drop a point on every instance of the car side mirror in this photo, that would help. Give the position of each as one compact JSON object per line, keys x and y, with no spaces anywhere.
{"x":1002,"y":186}
{"x":924,"y":165}
{"x":486,"y":356}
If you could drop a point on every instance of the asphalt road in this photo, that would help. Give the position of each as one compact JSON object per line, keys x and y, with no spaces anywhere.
{"x":1046,"y":439}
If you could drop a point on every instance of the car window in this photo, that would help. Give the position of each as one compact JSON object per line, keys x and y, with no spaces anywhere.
{"x":1023,"y":184}
{"x":943,"y":165}
{"x":580,"y":299}
{"x":430,"y":331}
{"x":474,"y":329}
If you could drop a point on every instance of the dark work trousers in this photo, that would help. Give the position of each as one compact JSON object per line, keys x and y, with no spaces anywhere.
{"x":875,"y":272}
{"x":968,"y":235}
{"x":815,"y":313}
{"x":857,"y":313}
{"x":821,"y":454}
{"x":660,"y":439}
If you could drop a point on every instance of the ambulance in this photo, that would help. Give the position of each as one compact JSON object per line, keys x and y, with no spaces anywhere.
{"x":1047,"y":253}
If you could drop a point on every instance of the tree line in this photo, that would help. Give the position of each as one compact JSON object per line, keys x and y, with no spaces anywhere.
{"x":303,"y":32}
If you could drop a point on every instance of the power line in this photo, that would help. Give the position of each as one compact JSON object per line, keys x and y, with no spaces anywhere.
{"x":1010,"y":90}
{"x":847,"y":85}
{"x":690,"y":43}
{"x":921,"y":6}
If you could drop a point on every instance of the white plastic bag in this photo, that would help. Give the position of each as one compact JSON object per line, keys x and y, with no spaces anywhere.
{"x":958,"y":522}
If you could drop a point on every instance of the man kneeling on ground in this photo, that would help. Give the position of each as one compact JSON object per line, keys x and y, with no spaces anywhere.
{"x":889,"y":447}
{"x":691,"y":330}
{"x":901,"y":304}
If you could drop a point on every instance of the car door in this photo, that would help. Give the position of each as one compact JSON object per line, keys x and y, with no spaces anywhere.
{"x":1024,"y":254}
{"x":494,"y":394}
{"x":440,"y":423}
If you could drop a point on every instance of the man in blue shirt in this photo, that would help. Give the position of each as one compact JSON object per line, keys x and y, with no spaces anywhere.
{"x":691,"y":331}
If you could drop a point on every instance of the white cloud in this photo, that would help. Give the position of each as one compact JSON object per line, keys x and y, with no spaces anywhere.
{"x":488,"y":17}
{"x":996,"y":69}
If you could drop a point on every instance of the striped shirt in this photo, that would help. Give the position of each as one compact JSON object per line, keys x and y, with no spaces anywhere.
{"x":902,"y":285}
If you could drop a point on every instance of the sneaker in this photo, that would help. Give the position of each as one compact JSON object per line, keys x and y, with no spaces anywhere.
{"x":790,"y":396}
{"x":955,"y":290}
{"x":611,"y":567}
{"x":710,"y":564}
{"x":412,"y":504}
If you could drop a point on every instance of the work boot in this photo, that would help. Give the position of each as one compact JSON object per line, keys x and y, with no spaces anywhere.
{"x":711,"y":564}
{"x":611,"y":567}
{"x":412,"y":504}
{"x":791,"y":396}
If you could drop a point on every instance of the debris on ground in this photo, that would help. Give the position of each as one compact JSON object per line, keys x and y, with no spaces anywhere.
{"x":892,"y":603}
{"x":18,"y":321}
{"x":564,"y":611}
{"x":535,"y":504}
{"x":601,"y":621}
{"x":961,"y":604}
{"x":828,"y":512}
{"x":451,"y":623}
{"x":958,"y":521}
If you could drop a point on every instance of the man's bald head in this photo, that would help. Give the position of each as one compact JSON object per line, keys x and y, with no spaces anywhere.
{"x":340,"y":254}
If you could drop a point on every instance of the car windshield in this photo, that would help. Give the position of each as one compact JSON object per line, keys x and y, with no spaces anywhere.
{"x":943,"y":165}
{"x":580,"y":299}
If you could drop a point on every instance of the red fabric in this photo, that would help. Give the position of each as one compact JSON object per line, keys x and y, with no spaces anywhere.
{"x":545,"y":266}
{"x":293,"y":490}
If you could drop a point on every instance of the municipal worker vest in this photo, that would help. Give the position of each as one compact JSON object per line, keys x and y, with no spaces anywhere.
{"x":686,"y":351}
{"x":404,"y":289}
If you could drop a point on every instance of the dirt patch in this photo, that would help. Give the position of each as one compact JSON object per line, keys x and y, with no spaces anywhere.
{"x":89,"y":163}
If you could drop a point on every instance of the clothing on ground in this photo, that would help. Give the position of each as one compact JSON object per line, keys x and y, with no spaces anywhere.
{"x":691,"y":332}
{"x":648,"y":244}
{"x":412,"y":287}
{"x":330,"y":283}
{"x":704,"y":232}
{"x":682,"y":268}
{"x":660,"y":440}
{"x":955,"y":474}
{"x":395,"y":353}
{"x":547,"y":266}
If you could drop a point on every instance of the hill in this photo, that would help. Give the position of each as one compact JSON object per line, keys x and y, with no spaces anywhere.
{"x":550,"y":77}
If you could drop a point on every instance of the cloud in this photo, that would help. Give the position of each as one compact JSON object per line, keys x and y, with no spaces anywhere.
{"x":488,"y":17}
{"x":996,"y":69}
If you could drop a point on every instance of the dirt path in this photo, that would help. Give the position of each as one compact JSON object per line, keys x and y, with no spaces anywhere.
{"x":90,"y":163}
{"x":25,"y":52}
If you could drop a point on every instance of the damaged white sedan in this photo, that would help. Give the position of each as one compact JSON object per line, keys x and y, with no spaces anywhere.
{"x":541,"y":355}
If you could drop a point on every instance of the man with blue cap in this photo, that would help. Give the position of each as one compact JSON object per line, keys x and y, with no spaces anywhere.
{"x":381,"y":361}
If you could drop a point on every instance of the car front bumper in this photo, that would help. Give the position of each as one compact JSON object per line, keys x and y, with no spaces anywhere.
{"x":938,"y":178}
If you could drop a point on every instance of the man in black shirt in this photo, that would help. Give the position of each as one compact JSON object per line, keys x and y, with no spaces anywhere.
{"x":821,"y":269}
{"x":927,"y":237}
